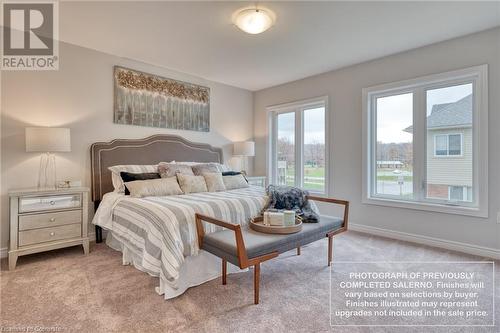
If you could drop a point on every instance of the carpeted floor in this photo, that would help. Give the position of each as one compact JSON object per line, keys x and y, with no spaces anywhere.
{"x":67,"y":291}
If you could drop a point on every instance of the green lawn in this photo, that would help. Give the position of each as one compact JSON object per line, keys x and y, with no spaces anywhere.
{"x":319,"y":184}
{"x":394,"y":178}
{"x":309,"y":184}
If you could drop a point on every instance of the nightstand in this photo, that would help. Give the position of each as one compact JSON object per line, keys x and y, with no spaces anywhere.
{"x":257,"y":180}
{"x":43,"y":220}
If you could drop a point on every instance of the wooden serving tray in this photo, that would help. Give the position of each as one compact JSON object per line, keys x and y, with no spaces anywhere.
{"x":257,"y":225}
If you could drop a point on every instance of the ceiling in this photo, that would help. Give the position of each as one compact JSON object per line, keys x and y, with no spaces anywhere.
{"x":308,"y":38}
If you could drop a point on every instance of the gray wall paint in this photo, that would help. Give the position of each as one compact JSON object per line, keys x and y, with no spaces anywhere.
{"x":343,"y":87}
{"x":80,"y":96}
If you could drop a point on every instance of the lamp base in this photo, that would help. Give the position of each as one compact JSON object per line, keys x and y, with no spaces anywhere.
{"x":47,"y":172}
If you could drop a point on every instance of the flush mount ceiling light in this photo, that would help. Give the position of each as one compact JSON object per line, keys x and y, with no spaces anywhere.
{"x":255,"y":20}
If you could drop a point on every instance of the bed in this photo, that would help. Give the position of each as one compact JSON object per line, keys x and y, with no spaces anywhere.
{"x":158,"y":234}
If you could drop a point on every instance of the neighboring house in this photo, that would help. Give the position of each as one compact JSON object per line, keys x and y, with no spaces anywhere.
{"x":449,"y":150}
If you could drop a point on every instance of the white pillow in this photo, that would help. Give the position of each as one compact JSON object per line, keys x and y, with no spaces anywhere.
{"x":234,"y":182}
{"x":214,"y":181}
{"x":192,"y":184}
{"x":154,"y":187}
{"x":117,"y":180}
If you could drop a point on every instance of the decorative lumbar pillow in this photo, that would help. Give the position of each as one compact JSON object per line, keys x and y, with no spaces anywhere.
{"x":154,"y":187}
{"x":192,"y":184}
{"x":234,"y":173}
{"x":200,"y":169}
{"x":133,"y":168}
{"x":130,"y":177}
{"x":171,"y":169}
{"x":214,"y":181}
{"x":234,"y":182}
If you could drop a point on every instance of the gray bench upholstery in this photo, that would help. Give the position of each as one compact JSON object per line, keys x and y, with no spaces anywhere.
{"x":223,"y":243}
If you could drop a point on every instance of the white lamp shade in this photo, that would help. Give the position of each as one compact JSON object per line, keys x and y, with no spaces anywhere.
{"x":246,"y":148}
{"x":48,"y":139}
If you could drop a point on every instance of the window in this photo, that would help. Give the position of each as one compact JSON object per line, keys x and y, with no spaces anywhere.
{"x":447,"y":144}
{"x":298,"y":145}
{"x":425,"y":143}
{"x":285,"y":147}
{"x":394,"y":146}
{"x":459,"y":193}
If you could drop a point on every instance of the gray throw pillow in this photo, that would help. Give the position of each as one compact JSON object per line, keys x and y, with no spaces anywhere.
{"x":171,"y":169}
{"x":200,"y":169}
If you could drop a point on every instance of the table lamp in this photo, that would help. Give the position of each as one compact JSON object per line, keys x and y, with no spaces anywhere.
{"x":244,"y":150}
{"x":47,"y":140}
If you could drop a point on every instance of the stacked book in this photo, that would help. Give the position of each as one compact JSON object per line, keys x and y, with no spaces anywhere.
{"x":277,"y":217}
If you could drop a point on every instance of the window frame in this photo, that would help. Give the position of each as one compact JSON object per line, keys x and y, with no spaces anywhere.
{"x":478,"y":76}
{"x":448,"y":145}
{"x":298,"y":107}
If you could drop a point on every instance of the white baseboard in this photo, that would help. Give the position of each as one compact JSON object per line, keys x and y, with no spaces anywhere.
{"x":430,"y":241}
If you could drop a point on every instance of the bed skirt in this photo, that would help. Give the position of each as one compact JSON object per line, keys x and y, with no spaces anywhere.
{"x":196,"y":270}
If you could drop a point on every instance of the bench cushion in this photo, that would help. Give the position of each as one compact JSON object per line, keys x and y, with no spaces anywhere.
{"x":223,"y":243}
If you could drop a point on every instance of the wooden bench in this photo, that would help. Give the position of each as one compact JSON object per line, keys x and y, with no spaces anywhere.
{"x":245,"y":247}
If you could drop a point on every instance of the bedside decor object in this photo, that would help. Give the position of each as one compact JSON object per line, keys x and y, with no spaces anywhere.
{"x":43,"y":220}
{"x":143,"y":99}
{"x":244,"y":150}
{"x":47,"y":140}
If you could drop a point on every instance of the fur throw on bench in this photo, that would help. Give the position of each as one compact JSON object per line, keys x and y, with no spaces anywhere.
{"x":292,"y":198}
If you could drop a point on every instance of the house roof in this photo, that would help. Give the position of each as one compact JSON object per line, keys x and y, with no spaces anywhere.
{"x":446,"y":115}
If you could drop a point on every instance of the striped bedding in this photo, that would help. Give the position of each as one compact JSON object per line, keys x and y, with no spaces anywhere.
{"x":162,"y":230}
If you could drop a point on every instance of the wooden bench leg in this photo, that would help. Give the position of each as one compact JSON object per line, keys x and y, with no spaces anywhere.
{"x":330,"y":249}
{"x":256,"y":277}
{"x":298,"y":250}
{"x":224,"y":271}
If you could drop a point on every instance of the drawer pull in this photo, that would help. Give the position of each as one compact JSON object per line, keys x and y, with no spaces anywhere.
{"x":52,"y":233}
{"x":52,"y":202}
{"x":52,"y":219}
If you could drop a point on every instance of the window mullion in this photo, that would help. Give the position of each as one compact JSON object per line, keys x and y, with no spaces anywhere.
{"x":274,"y":147}
{"x":419,"y":144}
{"x":299,"y":147}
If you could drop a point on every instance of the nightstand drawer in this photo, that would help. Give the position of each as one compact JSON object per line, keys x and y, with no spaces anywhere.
{"x":53,"y":202}
{"x":49,"y":234}
{"x":35,"y":221}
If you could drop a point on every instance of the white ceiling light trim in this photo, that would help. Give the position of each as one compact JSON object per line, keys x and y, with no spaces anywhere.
{"x":254,"y":20}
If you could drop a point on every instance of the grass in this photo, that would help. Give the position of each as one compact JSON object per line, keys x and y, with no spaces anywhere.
{"x":394,"y":178}
{"x":309,"y":184}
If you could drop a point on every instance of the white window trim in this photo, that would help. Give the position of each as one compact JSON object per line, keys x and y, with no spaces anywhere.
{"x":477,"y":74}
{"x":448,"y":145}
{"x":297,"y":107}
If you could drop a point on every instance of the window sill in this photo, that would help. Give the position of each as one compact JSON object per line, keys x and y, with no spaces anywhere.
{"x":430,"y":207}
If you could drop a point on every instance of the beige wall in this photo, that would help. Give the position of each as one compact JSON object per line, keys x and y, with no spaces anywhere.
{"x":343,"y":87}
{"x":80,"y":96}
